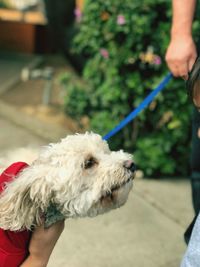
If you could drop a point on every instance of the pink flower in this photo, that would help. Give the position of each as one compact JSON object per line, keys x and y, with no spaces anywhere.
{"x":157,"y":60}
{"x":104,"y":53}
{"x":121,"y":20}
{"x":78,"y":14}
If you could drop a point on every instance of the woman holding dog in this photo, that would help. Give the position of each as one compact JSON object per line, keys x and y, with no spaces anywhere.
{"x":180,"y":57}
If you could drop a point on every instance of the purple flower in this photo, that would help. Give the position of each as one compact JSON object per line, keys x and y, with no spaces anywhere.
{"x":157,"y":60}
{"x":121,"y":20}
{"x":78,"y":14}
{"x":104,"y":53}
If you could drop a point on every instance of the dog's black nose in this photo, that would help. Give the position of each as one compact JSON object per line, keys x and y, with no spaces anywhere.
{"x":130,"y":165}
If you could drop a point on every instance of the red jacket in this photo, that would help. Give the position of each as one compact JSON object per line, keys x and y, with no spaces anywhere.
{"x":13,"y":245}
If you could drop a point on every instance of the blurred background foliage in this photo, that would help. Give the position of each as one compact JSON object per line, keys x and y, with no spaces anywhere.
{"x":123,"y":44}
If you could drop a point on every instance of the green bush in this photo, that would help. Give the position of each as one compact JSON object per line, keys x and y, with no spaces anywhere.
{"x":125,"y":43}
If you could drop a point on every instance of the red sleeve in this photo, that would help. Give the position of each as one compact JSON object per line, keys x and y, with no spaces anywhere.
{"x":13,"y":245}
{"x":10,"y":173}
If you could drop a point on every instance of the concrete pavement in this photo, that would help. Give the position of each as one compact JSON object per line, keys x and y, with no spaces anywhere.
{"x":13,"y":136}
{"x":146,"y":232}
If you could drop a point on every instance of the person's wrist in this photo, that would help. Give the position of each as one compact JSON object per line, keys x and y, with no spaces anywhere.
{"x":34,"y":262}
{"x":180,"y":34}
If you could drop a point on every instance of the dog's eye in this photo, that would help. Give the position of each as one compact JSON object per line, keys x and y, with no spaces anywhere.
{"x":90,"y":162}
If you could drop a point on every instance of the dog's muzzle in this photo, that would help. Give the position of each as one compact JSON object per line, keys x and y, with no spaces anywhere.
{"x":129,"y":165}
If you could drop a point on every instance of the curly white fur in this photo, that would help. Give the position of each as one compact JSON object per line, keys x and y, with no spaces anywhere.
{"x":59,"y":176}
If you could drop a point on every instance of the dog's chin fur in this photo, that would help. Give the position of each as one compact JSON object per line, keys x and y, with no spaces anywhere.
{"x":59,"y":175}
{"x":112,"y":200}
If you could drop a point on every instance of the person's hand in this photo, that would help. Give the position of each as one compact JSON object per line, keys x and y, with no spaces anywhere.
{"x":181,"y":55}
{"x":42,"y":243}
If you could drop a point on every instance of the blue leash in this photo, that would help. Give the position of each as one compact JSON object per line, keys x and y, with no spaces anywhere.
{"x":142,"y":106}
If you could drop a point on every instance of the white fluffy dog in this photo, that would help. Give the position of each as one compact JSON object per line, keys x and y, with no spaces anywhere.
{"x":79,"y":175}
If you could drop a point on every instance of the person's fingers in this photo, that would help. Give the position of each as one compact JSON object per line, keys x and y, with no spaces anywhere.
{"x":172,"y":64}
{"x":183,"y":69}
{"x":185,"y":77}
{"x":173,"y":68}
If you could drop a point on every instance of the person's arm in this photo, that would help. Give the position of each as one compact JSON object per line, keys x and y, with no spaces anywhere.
{"x":181,"y":52}
{"x":42,"y":243}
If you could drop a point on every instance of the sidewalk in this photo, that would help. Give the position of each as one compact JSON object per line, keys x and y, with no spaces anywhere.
{"x":146,"y":232}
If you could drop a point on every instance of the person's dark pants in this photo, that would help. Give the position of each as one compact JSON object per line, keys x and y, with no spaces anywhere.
{"x":60,"y":15}
{"x":195,"y":161}
{"x":195,"y":170}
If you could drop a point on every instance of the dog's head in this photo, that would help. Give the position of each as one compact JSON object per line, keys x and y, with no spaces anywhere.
{"x":88,"y":178}
{"x":80,"y":175}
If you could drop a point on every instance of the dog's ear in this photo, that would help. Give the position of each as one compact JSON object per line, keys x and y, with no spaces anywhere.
{"x":23,"y":201}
